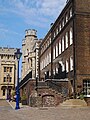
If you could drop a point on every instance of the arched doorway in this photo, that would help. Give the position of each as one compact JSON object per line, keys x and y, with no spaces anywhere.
{"x":48,"y":100}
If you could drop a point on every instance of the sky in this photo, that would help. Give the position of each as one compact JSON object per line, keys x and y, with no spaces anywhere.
{"x":18,"y":15}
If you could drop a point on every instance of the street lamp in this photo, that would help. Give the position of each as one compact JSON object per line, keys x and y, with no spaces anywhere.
{"x":18,"y":55}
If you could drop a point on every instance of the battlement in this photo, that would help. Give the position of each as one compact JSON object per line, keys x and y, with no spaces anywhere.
{"x":31,"y":32}
{"x":6,"y":50}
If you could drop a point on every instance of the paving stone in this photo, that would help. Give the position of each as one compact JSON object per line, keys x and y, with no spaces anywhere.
{"x":50,"y":113}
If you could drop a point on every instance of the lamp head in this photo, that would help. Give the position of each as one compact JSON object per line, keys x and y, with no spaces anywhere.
{"x":18,"y":54}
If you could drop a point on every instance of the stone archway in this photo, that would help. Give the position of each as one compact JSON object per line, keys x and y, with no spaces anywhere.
{"x":48,"y":100}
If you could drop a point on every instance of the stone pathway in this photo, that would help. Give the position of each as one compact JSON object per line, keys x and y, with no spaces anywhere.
{"x":4,"y":105}
{"x":43,"y":113}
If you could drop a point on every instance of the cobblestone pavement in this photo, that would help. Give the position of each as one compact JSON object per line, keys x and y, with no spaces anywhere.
{"x":58,"y":113}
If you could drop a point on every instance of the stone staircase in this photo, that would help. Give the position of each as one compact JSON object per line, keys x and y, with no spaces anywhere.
{"x":73,"y":103}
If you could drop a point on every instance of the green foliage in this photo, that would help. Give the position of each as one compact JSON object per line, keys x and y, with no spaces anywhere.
{"x":13,"y":94}
{"x":23,"y":97}
{"x":81,"y":96}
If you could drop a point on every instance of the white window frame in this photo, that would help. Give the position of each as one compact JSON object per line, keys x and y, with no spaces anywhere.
{"x":86,"y":88}
{"x":60,"y":27}
{"x":70,"y":12}
{"x":56,"y":49}
{"x":54,"y":34}
{"x":54,"y":52}
{"x":63,"y":65}
{"x":63,"y":22}
{"x":53,"y":71}
{"x":57,"y":30}
{"x":71,"y":36}
{"x":66,"y":39}
{"x":56,"y":69}
{"x":59,"y":46}
{"x":67,"y":66}
{"x":50,"y":57}
{"x":50,"y":39}
{"x":71,"y":63}
{"x":66,"y":17}
{"x":62,"y":43}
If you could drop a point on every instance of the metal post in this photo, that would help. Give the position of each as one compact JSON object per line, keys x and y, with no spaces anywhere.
{"x":17,"y":89}
{"x":18,"y":55}
{"x":36,"y":83}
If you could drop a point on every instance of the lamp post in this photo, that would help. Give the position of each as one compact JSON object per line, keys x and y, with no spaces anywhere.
{"x":36,"y":83}
{"x":18,"y":55}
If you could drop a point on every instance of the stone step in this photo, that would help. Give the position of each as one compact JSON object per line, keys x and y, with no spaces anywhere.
{"x":74,"y":102}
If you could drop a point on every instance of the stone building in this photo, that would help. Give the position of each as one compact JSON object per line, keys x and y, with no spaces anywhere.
{"x":30,"y":50}
{"x":28,"y":55}
{"x":8,"y":71}
{"x":65,"y":50}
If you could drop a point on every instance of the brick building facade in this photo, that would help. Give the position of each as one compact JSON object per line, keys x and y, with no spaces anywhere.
{"x":65,"y":50}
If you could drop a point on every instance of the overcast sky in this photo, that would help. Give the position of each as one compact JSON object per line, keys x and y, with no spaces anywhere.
{"x":18,"y":15}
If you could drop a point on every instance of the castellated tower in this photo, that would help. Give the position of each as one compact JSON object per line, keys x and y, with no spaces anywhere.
{"x":28,"y":55}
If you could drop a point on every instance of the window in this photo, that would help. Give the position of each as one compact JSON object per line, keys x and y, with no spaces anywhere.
{"x":57,"y":31}
{"x":62,"y":64}
{"x":4,"y":80}
{"x":48,"y":42}
{"x":66,"y":18}
{"x":86,"y":87}
{"x":67,"y":66}
{"x":66,"y":38}
{"x":1,"y":56}
{"x":45,"y":60}
{"x":70,"y":12}
{"x":50,"y":57}
{"x":60,"y":27}
{"x":59,"y":46}
{"x":53,"y":71}
{"x":54,"y":53}
{"x":7,"y":69}
{"x":54,"y":34}
{"x":4,"y":69}
{"x":31,"y":62}
{"x":50,"y":39}
{"x":56,"y":69}
{"x":62,"y":43}
{"x":9,"y":91}
{"x":63,"y":22}
{"x":14,"y":56}
{"x":8,"y":57}
{"x":56,"y":50}
{"x":71,"y":63}
{"x":63,"y":67}
{"x":71,"y":36}
{"x":3,"y":92}
{"x":10,"y":80}
{"x":43,"y":63}
{"x":10,"y":69}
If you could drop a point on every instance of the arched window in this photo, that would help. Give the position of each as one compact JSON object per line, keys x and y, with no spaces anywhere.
{"x":71,"y":36}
